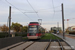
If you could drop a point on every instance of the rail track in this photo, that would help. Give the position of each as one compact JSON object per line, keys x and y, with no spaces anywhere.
{"x":42,"y":45}
{"x":58,"y":45}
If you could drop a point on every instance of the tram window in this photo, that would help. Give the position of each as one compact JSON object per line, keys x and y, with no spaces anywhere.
{"x":39,"y":29}
{"x":32,"y":31}
{"x":32,"y":28}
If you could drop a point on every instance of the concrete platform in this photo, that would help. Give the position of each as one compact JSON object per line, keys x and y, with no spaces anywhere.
{"x":54,"y":46}
{"x":11,"y":46}
{"x":65,"y":46}
{"x":70,"y":41}
{"x":38,"y":46}
{"x":21,"y":47}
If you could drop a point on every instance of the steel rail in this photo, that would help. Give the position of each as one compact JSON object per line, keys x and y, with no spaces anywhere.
{"x":15,"y":46}
{"x":49,"y":43}
{"x":66,"y":43}
{"x":28,"y":46}
{"x":60,"y":44}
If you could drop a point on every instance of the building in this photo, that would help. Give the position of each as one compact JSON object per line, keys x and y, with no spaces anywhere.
{"x":55,"y":29}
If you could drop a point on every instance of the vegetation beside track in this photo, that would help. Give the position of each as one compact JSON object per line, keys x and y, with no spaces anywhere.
{"x":46,"y":36}
{"x":6,"y":34}
{"x":24,"y":38}
{"x":49,"y":36}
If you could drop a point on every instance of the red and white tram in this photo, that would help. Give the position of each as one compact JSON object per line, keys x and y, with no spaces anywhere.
{"x":35,"y":31}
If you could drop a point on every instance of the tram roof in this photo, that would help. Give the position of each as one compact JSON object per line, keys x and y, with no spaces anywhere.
{"x":34,"y":22}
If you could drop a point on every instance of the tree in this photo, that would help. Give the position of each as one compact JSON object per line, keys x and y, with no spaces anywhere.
{"x":67,"y":30}
{"x":25,"y":28}
{"x":4,"y":28}
{"x":16,"y":26}
{"x":0,"y":27}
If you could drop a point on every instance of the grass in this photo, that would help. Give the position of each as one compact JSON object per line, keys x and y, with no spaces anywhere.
{"x":24,"y":38}
{"x":47,"y":36}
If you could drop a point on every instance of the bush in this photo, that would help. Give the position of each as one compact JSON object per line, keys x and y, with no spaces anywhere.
{"x":20,"y":34}
{"x":23,"y":35}
{"x":4,"y":34}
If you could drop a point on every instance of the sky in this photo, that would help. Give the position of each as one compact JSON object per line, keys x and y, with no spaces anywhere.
{"x":25,"y":11}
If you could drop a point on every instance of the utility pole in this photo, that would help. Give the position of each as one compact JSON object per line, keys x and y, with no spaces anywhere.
{"x":9,"y":19}
{"x":63,"y":21}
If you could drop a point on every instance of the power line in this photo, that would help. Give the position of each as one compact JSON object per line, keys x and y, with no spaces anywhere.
{"x":18,"y":9}
{"x":56,"y":6}
{"x":53,"y":8}
{"x":39,"y":10}
{"x":4,"y":2}
{"x":32,"y":8}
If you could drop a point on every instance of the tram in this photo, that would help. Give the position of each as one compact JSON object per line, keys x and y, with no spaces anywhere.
{"x":35,"y":31}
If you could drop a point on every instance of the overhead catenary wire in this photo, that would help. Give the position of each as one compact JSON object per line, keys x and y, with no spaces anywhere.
{"x":29,"y":11}
{"x":4,"y":2}
{"x":18,"y":9}
{"x":33,"y":8}
{"x":53,"y":8}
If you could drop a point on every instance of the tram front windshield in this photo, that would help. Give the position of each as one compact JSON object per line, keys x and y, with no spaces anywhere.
{"x":32,"y":29}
